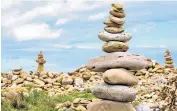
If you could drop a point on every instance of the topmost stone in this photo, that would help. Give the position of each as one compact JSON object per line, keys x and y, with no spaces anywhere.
{"x":117,"y":6}
{"x":117,"y":60}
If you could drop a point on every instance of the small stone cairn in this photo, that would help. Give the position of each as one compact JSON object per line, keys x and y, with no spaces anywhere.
{"x":117,"y":64}
{"x":40,"y":60}
{"x":168,"y":60}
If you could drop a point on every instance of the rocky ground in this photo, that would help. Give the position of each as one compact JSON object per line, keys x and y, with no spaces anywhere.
{"x":156,"y":89}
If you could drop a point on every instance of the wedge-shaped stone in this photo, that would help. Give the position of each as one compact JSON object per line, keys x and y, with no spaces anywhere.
{"x":105,"y":105}
{"x":120,"y":76}
{"x":114,"y":46}
{"x":117,"y":93}
{"x":122,"y":37}
{"x":117,"y":60}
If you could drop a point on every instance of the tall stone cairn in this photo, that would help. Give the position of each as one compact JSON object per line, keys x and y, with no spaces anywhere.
{"x":40,"y":60}
{"x":115,"y":93}
{"x":168,"y":60}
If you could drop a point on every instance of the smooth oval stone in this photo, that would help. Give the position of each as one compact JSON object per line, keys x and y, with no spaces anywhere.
{"x":116,"y":20}
{"x":118,"y":6}
{"x":114,"y":30}
{"x":169,"y":66}
{"x":105,"y":105}
{"x":114,"y":46}
{"x":117,"y":60}
{"x":112,"y":24}
{"x":169,"y":62}
{"x":123,"y":37}
{"x":117,"y":93}
{"x":117,"y":14}
{"x":120,"y":76}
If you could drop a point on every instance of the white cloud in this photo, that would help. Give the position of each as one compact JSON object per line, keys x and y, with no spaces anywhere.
{"x":152,"y":46}
{"x":62,"y":21}
{"x":87,"y":47}
{"x":61,"y":46}
{"x":35,"y":31}
{"x":98,"y":16}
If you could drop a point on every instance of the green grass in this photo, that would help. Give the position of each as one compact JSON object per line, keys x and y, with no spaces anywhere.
{"x":40,"y":101}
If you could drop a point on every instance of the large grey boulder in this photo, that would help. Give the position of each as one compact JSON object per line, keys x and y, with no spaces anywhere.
{"x":105,"y":105}
{"x":117,"y":93}
{"x":120,"y":76}
{"x":117,"y":60}
{"x":121,"y":37}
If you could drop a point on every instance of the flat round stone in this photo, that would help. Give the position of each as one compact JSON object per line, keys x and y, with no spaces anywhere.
{"x":121,"y":37}
{"x":114,"y":46}
{"x":116,"y":20}
{"x":114,"y":30}
{"x":105,"y":105}
{"x":117,"y":14}
{"x":117,"y":60}
{"x":117,"y":93}
{"x":112,"y":24}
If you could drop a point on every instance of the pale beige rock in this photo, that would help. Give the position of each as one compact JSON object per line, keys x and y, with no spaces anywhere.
{"x":67,"y":80}
{"x":14,"y":77}
{"x":39,"y":82}
{"x":120,"y":76}
{"x":105,"y":105}
{"x":115,"y":46}
{"x":116,"y":20}
{"x":112,"y":24}
{"x":117,"y":14}
{"x":114,"y":30}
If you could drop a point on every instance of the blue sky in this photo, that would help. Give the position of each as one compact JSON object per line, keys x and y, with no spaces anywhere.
{"x":66,"y":31}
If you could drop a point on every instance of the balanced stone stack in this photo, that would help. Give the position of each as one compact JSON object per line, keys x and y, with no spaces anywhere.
{"x":168,"y":60}
{"x":40,"y":60}
{"x":113,"y":36}
{"x":115,"y":92}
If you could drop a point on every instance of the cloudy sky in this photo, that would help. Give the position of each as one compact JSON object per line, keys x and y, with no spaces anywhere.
{"x":66,"y":31}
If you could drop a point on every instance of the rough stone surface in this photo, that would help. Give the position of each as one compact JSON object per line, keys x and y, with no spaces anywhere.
{"x":120,"y":76}
{"x":117,"y":93}
{"x":117,"y":60}
{"x":122,"y":37}
{"x":116,"y":20}
{"x":112,"y":24}
{"x":105,"y":105}
{"x":117,"y":14}
{"x":114,"y":30}
{"x":114,"y":46}
{"x":67,"y":80}
{"x":39,"y":82}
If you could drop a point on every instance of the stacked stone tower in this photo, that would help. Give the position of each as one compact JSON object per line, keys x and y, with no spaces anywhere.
{"x":116,"y":92}
{"x":40,"y":60}
{"x":168,"y":60}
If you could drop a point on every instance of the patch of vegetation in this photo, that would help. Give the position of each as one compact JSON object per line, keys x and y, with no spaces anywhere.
{"x":40,"y":101}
